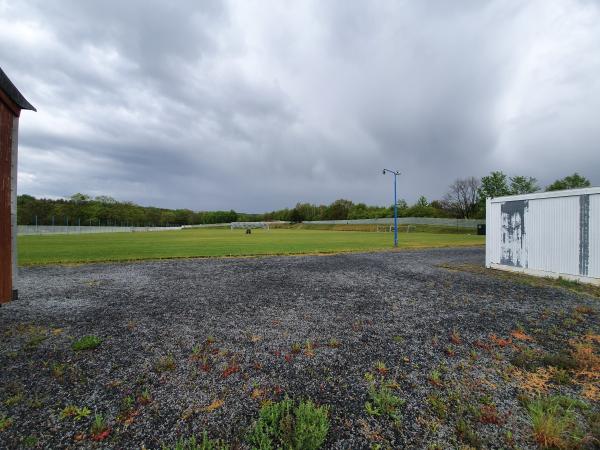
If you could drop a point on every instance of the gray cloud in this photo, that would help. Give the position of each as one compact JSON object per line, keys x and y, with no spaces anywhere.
{"x":255,"y":105}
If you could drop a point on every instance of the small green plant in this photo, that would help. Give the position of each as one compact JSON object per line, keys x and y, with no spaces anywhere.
{"x":438,"y":406}
{"x":145,"y":397}
{"x":127,"y":403}
{"x":296,"y":348}
{"x":398,"y":339}
{"x":99,"y":428}
{"x":14,"y":399}
{"x":30,"y":441}
{"x":35,"y":339}
{"x":58,"y":370}
{"x":86,"y":343}
{"x":334,"y":343}
{"x":383,"y":402}
{"x":467,"y":434}
{"x":455,"y":337}
{"x":197,"y":351}
{"x":5,"y":422}
{"x":561,"y":376}
{"x":165,"y":364}
{"x":309,"y":348}
{"x":75,"y":412}
{"x":192,"y":443}
{"x":435,"y":377}
{"x":286,"y":425}
{"x":381,"y":367}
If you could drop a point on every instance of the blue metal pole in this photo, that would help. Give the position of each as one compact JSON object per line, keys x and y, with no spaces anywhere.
{"x":395,"y":213}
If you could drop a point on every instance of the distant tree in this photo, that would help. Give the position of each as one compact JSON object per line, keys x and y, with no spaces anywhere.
{"x":574,"y":181}
{"x":338,"y":210}
{"x":296,"y":215}
{"x":80,"y":198}
{"x":523,"y":185}
{"x":402,"y":204}
{"x":463,"y":197}
{"x":493,"y":185}
{"x":422,"y":202}
{"x":105,"y":199}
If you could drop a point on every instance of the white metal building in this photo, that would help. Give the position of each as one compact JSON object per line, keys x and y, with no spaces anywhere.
{"x":546,"y":234}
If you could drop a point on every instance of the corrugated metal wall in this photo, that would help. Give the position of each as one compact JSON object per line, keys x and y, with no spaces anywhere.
{"x":594,"y":268}
{"x":544,"y":233}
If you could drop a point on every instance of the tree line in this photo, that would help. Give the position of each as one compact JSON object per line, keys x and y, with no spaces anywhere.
{"x":465,"y":199}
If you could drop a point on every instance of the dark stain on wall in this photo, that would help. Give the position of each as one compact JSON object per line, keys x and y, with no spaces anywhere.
{"x":513,"y":232}
{"x":584,"y":234}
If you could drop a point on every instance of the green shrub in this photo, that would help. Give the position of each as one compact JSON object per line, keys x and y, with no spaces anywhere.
{"x":285,"y":425}
{"x":383,"y":402}
{"x":192,"y":444}
{"x":86,"y":343}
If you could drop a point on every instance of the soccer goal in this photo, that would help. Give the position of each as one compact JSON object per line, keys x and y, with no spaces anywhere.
{"x":390,"y":228}
{"x":249,"y":225}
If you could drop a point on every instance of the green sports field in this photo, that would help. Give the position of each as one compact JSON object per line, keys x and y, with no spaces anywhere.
{"x":51,"y":249}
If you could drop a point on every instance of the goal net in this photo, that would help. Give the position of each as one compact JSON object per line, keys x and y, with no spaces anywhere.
{"x":390,"y":228}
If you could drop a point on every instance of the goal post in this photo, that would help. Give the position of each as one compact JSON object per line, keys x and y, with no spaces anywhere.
{"x":249,"y":225}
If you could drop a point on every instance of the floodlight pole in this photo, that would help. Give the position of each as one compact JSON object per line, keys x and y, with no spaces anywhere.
{"x":396,"y":174}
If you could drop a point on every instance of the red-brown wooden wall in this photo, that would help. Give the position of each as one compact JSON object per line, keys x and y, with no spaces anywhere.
{"x":6,"y":125}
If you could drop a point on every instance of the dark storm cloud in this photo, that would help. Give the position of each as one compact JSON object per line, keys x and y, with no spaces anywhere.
{"x":257,"y":105}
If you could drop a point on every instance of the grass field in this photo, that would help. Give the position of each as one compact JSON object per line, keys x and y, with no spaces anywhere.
{"x":51,"y":249}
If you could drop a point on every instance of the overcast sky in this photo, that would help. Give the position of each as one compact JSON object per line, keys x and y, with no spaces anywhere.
{"x":255,"y":105}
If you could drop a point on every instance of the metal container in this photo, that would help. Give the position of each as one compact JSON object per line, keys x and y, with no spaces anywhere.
{"x":554,"y":234}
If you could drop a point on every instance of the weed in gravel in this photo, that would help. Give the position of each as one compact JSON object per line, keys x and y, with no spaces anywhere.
{"x":309,"y":348}
{"x":75,"y":412}
{"x":450,"y":351}
{"x":435,"y":377}
{"x":553,"y":422}
{"x":35,"y":402}
{"x":5,"y":422}
{"x":584,"y":309}
{"x":192,"y":444}
{"x":197,"y":351}
{"x":561,"y":377}
{"x":438,"y":405}
{"x":334,"y":343}
{"x":86,"y":343}
{"x":99,"y":428}
{"x":286,"y":425}
{"x":165,"y":364}
{"x":210,"y":340}
{"x":467,"y":434}
{"x":58,"y":369}
{"x":381,"y":368}
{"x":145,"y":397}
{"x":231,"y":368}
{"x":14,"y":399}
{"x":296,"y":348}
{"x":455,"y":337}
{"x":30,"y":441}
{"x":488,"y":414}
{"x":383,"y":402}
{"x":398,"y":339}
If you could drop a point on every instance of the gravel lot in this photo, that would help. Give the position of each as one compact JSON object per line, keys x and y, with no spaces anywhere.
{"x":154,"y":319}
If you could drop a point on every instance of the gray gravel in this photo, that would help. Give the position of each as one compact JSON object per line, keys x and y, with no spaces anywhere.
{"x":399,"y":308}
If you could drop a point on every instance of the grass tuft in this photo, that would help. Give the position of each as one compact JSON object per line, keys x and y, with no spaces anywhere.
{"x":86,"y":343}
